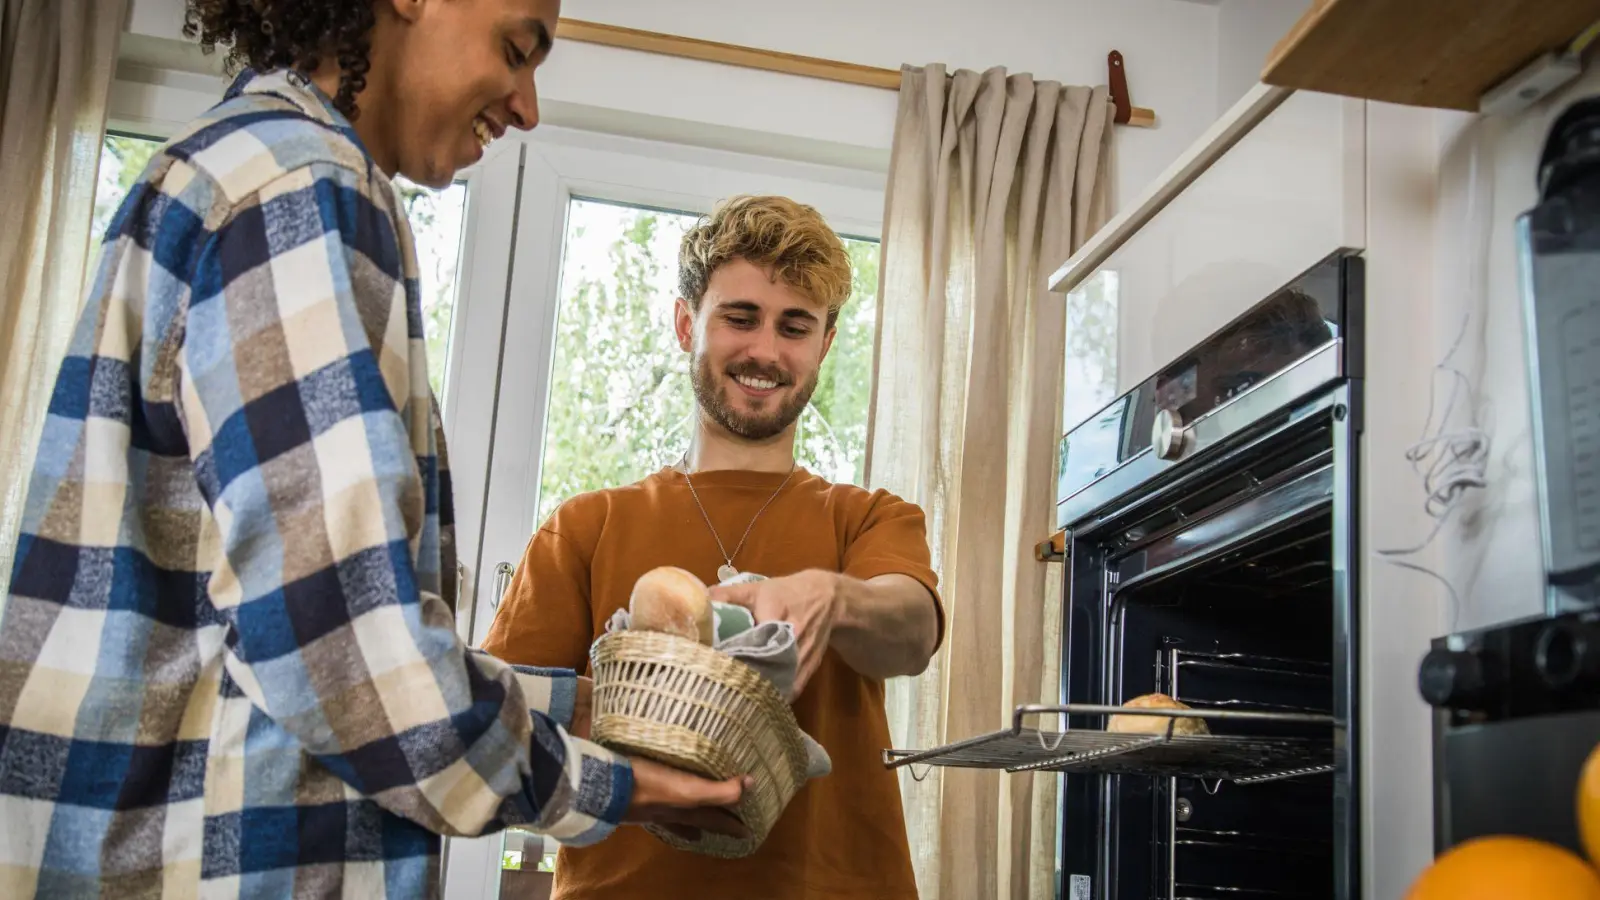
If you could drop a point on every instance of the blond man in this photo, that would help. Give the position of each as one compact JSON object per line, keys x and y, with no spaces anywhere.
{"x":761,"y":284}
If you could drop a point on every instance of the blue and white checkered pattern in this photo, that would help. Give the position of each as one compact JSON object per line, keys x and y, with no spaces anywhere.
{"x":228,"y":665}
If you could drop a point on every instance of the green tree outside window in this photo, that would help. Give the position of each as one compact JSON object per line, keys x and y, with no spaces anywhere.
{"x":621,"y":404}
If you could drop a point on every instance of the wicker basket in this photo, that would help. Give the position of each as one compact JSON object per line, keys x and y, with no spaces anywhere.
{"x":686,"y":705}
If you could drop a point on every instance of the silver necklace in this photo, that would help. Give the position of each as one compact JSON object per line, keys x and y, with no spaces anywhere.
{"x":727,"y":571}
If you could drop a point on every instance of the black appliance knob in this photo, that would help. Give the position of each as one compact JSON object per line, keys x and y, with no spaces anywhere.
{"x":1452,"y":679}
{"x":1567,"y":655}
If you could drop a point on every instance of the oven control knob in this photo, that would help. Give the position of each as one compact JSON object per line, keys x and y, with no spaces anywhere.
{"x":1167,"y":434}
{"x":1567,"y":655}
{"x":1452,"y":679}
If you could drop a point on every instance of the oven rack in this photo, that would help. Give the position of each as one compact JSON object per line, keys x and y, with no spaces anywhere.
{"x":1252,"y":665}
{"x":1214,"y":892}
{"x":1238,"y":759}
{"x":1251,"y":842}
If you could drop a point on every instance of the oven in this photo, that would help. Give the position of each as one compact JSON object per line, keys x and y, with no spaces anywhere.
{"x":1211,"y":556}
{"x":1208,"y":526}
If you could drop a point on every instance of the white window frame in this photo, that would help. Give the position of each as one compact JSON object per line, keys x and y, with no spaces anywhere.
{"x":560,"y":165}
{"x":512,"y":230}
{"x":159,"y":102}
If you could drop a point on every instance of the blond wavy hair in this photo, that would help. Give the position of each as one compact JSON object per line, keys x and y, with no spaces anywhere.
{"x":774,"y":233}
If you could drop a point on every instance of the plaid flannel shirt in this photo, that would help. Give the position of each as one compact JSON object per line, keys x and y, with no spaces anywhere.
{"x":228,"y":661}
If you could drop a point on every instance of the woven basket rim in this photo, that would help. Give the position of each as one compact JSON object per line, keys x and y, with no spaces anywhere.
{"x":766,"y":695}
{"x":736,"y":683}
{"x":709,"y":656}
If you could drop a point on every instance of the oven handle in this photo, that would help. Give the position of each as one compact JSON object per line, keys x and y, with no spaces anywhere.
{"x":1238,"y":525}
{"x":1056,"y":548}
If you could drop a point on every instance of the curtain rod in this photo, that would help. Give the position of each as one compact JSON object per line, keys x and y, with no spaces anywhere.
{"x":752,"y":58}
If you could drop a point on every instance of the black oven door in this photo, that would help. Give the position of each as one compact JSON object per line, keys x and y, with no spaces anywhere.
{"x":1228,"y":585}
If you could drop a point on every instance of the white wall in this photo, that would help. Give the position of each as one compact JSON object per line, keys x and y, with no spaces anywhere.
{"x":1247,"y":30}
{"x":1170,"y":47}
{"x":1401,"y":610}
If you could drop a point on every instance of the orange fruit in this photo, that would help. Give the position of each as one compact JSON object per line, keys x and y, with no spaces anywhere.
{"x":1501,"y":867}
{"x":1589,"y":806}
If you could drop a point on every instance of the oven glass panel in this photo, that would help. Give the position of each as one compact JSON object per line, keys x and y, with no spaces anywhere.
{"x":1277,"y":333}
{"x":1271,"y":337}
{"x":1096,"y":447}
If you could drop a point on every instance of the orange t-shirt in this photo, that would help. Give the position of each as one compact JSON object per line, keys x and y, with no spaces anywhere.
{"x":843,"y":836}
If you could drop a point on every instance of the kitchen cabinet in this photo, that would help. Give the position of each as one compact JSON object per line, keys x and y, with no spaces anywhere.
{"x":1437,"y":53}
{"x":1264,"y":210}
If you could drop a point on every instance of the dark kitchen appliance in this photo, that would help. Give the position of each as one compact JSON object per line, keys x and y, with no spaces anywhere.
{"x":1558,"y":242}
{"x":1210,"y":533}
{"x":1518,"y":714}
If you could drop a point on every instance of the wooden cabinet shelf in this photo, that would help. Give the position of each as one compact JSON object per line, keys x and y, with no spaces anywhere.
{"x":1437,"y":53}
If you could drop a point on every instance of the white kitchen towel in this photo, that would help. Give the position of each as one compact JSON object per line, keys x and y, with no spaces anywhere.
{"x":769,"y":648}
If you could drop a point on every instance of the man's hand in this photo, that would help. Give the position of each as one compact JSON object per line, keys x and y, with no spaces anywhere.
{"x":810,"y":601}
{"x":685,"y":803}
{"x":883,"y":627}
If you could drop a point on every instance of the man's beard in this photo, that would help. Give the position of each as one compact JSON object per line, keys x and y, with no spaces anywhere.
{"x":759,"y":427}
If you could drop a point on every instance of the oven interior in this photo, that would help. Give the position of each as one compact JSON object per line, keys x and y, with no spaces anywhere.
{"x":1251,"y":627}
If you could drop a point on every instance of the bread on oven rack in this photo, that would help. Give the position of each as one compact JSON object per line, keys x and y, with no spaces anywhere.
{"x":1180,"y":725}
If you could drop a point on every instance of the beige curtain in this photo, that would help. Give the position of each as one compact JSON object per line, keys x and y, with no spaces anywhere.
{"x":995,"y":180}
{"x":57,"y":58}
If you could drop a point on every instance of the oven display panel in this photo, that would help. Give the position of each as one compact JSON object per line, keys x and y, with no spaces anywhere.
{"x":1271,"y":337}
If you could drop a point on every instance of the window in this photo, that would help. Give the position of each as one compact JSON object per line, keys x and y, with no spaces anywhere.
{"x":436,"y":223}
{"x":435,"y":216}
{"x":1090,"y":378}
{"x":569,"y":377}
{"x":122,"y":159}
{"x":621,"y":404}
{"x":520,"y":860}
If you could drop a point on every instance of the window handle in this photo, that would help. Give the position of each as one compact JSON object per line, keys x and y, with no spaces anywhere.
{"x":463,"y":588}
{"x":502,"y":583}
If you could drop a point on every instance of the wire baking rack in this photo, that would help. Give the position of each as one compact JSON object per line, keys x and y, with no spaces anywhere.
{"x":1238,"y":759}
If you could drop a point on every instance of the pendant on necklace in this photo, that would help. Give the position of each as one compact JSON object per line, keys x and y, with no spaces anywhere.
{"x":726,"y":572}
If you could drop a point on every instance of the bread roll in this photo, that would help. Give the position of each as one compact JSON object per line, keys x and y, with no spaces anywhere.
{"x":673,"y":601}
{"x":1181,"y":725}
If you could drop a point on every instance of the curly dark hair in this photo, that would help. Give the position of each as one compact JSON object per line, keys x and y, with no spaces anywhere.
{"x":289,"y":34}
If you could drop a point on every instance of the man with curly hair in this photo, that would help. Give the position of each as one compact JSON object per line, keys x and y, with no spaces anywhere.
{"x":228,"y":661}
{"x":761,"y":282}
